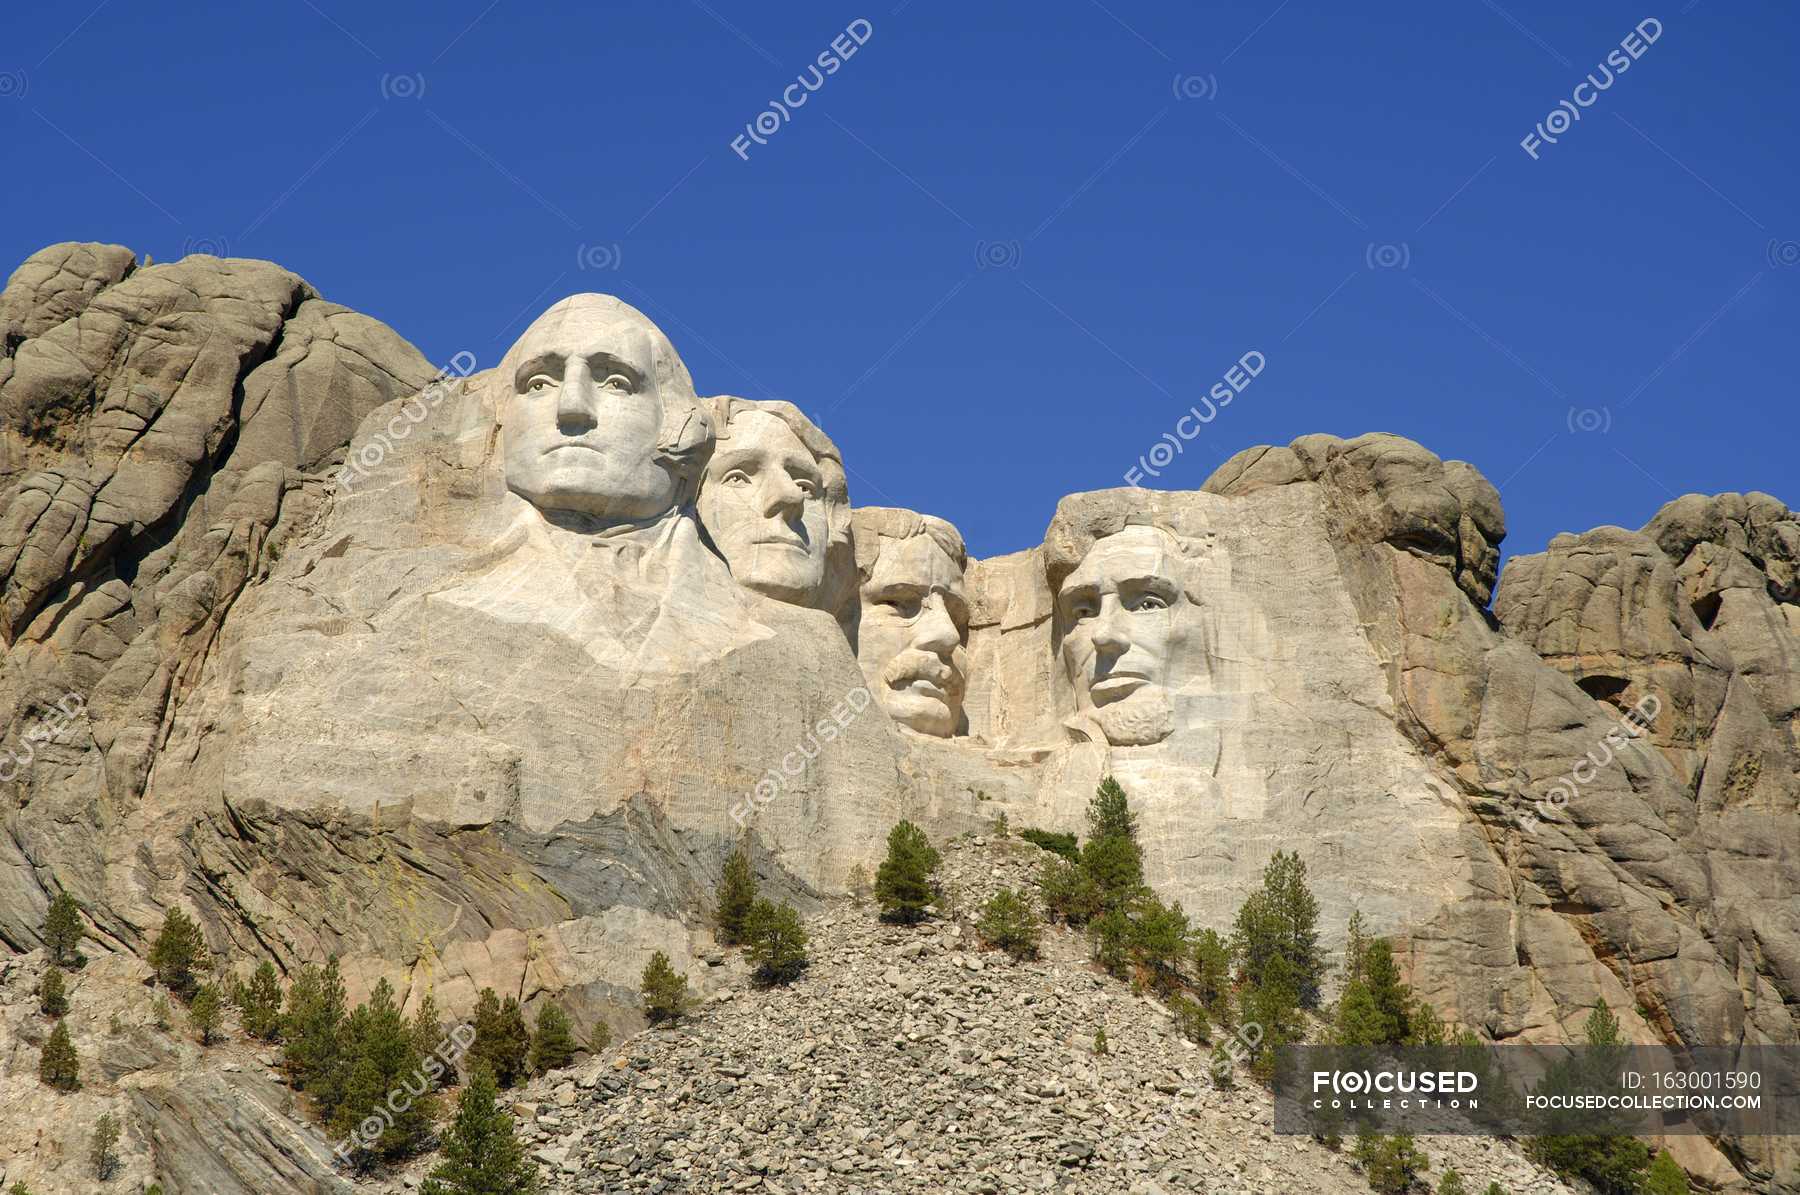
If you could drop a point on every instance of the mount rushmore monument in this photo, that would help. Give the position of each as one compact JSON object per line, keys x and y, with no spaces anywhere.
{"x":475,"y":680}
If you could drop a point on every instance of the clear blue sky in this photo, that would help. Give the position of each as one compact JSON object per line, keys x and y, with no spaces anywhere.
{"x":1004,"y":246}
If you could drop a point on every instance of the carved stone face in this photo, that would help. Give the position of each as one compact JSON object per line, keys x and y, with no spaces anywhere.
{"x":1120,"y":617}
{"x":763,"y":503}
{"x":910,"y":635}
{"x":582,"y":414}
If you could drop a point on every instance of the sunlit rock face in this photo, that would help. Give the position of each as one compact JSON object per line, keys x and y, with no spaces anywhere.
{"x":473,"y":682}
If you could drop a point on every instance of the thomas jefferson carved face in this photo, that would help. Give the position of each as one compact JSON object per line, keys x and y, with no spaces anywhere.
{"x":914,"y":619}
{"x":597,"y":414}
{"x":1120,"y":612}
{"x":767,"y":504}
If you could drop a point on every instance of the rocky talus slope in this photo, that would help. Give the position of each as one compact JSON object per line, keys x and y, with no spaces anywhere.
{"x":910,"y":1059}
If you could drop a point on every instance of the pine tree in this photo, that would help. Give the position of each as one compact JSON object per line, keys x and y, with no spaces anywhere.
{"x":1009,"y":923}
{"x":1665,"y":1177}
{"x":1392,"y":998}
{"x":482,"y":1154}
{"x":53,"y":998}
{"x":1391,"y":1164}
{"x":102,"y":1155}
{"x":502,"y":1043}
{"x":1451,"y":1183}
{"x":665,"y":992}
{"x":777,"y":942}
{"x":1109,"y":813}
{"x":1069,"y":892}
{"x":600,"y":1039}
{"x":553,"y":1045}
{"x":427,"y":1031}
{"x":379,"y":1058}
{"x":206,"y":1012}
{"x":1160,"y":939}
{"x":59,"y":1065}
{"x":1494,"y":1188}
{"x":903,"y":881}
{"x":1281,"y":918}
{"x":309,"y":1031}
{"x":1212,"y":973}
{"x":1612,"y":1162}
{"x":737,"y":893}
{"x":62,"y":929}
{"x":178,"y":953}
{"x":1190,"y":1019}
{"x":1116,"y":867}
{"x":1356,"y":946}
{"x":259,"y":1003}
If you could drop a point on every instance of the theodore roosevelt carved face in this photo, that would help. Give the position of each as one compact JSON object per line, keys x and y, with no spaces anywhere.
{"x":913,"y":618}
{"x":598,"y":416}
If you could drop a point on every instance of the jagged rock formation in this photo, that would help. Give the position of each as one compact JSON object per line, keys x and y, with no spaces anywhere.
{"x":472,"y":682}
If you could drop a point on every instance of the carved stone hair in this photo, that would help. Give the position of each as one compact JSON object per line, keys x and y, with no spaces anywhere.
{"x":724,"y":408}
{"x":1074,"y":531}
{"x":872,"y":524}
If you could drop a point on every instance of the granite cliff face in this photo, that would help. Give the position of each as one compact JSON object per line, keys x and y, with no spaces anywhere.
{"x":471,"y":677}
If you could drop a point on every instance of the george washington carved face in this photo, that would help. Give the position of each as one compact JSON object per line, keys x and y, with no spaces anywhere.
{"x":598,"y":415}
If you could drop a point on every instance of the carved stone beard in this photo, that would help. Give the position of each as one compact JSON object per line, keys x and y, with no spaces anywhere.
{"x":1145,"y":717}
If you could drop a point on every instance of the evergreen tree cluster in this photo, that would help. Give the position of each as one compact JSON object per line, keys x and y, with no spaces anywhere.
{"x":772,"y":935}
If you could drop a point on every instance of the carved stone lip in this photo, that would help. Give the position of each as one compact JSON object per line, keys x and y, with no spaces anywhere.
{"x":571,"y":444}
{"x":925,"y":688}
{"x":1115,"y":685}
{"x":780,"y":541}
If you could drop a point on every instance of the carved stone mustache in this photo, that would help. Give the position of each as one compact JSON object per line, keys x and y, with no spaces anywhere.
{"x":913,"y":664}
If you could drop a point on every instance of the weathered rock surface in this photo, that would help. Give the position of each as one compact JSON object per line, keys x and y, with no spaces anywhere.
{"x":286,"y":645}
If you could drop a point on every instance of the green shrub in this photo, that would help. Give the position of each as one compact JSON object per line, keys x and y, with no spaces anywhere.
{"x":665,"y":992}
{"x":1100,"y":1041}
{"x":553,"y":1045}
{"x":737,"y":893}
{"x":1665,"y":1177}
{"x":309,"y":1029}
{"x":482,"y":1154}
{"x":1110,"y":937}
{"x":160,"y":1016}
{"x":178,"y":953}
{"x":59,"y":1066}
{"x":53,"y":996}
{"x":1190,"y":1019}
{"x":1222,"y":1065}
{"x":63,"y":929}
{"x":380,"y":1057}
{"x":600,"y":1039}
{"x":1451,"y":1183}
{"x":502,"y":1043}
{"x":259,"y":1003}
{"x":1494,"y":1188}
{"x":206,"y":1013}
{"x":1070,"y":894}
{"x":903,"y":884}
{"x":1010,"y":923}
{"x":1212,"y":973}
{"x":1391,"y":1164}
{"x":1280,"y":920}
{"x":777,"y":944}
{"x":1160,"y":939}
{"x":103,"y":1157}
{"x":1056,"y":844}
{"x":1001,"y":828}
